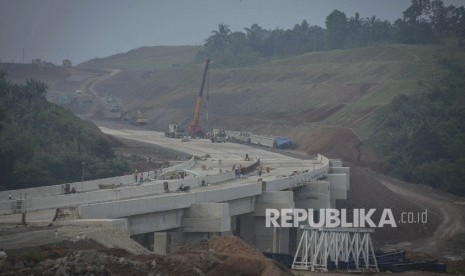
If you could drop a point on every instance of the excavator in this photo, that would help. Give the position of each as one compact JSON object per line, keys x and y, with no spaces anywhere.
{"x":140,"y":120}
{"x":194,"y":129}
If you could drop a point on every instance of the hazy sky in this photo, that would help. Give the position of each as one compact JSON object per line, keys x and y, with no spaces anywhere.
{"x":83,"y":29}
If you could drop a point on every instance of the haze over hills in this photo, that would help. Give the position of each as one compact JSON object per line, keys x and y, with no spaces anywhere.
{"x":322,"y":87}
{"x":284,"y":96}
{"x":325,"y":101}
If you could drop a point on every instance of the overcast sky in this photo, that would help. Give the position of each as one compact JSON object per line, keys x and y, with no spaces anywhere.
{"x":83,"y":29}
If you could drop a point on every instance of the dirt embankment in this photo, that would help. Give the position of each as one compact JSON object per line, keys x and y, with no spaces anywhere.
{"x":439,"y":233}
{"x":217,"y":256}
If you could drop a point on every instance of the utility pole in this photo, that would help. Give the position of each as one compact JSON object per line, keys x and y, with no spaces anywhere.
{"x":82,"y":176}
{"x":23,"y":216}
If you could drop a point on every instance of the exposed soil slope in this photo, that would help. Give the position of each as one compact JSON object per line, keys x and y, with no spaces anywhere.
{"x":217,"y":256}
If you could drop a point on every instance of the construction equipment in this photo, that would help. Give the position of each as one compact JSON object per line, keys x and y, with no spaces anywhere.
{"x":114,"y":108}
{"x":183,"y":188}
{"x":140,"y":120}
{"x":219,"y":136}
{"x":194,"y":129}
{"x":175,"y":131}
{"x":123,"y":114}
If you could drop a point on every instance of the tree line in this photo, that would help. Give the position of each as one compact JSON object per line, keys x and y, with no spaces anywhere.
{"x":424,"y":21}
{"x":44,"y":144}
{"x":422,"y":135}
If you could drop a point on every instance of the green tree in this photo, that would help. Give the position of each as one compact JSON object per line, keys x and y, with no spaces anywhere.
{"x":43,"y":144}
{"x":336,"y":27}
{"x":220,"y":38}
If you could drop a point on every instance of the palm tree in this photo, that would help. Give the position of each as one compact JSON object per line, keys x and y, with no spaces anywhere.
{"x":220,"y":38}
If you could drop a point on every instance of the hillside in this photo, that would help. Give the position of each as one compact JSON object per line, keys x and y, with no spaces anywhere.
{"x":43,"y":144}
{"x":335,"y":87}
{"x":324,"y":95}
{"x":325,"y":101}
{"x":159,"y":57}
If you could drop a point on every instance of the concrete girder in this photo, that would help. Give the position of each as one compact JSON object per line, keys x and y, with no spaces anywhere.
{"x":152,"y":222}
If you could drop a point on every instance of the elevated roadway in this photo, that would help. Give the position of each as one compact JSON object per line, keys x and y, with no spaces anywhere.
{"x":163,"y":219}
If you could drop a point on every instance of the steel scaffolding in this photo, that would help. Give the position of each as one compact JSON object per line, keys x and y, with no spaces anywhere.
{"x":341,"y":248}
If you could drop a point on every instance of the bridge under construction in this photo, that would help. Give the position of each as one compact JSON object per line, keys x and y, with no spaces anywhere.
{"x":221,"y":200}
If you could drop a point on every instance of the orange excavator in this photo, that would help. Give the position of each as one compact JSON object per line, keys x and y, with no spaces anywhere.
{"x":194,"y":129}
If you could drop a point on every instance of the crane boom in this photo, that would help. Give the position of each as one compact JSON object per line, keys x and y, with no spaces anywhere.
{"x":194,"y":128}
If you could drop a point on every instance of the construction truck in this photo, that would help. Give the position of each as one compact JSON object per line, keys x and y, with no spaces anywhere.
{"x":140,"y":120}
{"x":115,"y":108}
{"x":218,"y":136}
{"x":123,"y":114}
{"x":194,"y":129}
{"x":175,"y":131}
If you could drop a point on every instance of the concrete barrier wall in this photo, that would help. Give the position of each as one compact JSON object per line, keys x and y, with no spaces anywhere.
{"x":71,"y":200}
{"x":43,"y":197}
{"x":58,"y":189}
{"x":182,"y":166}
{"x":296,"y":180}
{"x":218,"y":178}
{"x":131,"y":207}
{"x":300,"y":179}
{"x":196,"y":181}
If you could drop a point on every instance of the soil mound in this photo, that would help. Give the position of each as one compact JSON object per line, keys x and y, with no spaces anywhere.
{"x":217,"y":256}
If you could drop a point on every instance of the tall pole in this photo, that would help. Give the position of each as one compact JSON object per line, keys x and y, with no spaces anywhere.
{"x":82,"y":176}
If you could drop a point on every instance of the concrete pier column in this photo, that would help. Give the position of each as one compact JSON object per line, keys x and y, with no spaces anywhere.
{"x":252,"y":228}
{"x":161,"y":243}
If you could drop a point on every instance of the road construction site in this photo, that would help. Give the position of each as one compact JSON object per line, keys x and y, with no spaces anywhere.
{"x":222,"y":200}
{"x":92,"y":195}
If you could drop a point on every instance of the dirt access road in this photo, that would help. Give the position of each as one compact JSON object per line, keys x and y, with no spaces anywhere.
{"x":444,"y":233}
{"x":449,"y":238}
{"x":88,"y":88}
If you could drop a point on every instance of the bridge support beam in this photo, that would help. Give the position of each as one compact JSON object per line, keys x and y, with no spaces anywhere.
{"x":207,"y":217}
{"x":313,"y":195}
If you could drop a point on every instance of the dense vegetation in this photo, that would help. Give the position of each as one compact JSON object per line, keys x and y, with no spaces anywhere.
{"x":43,"y":144}
{"x":423,"y":135}
{"x":425,"y":21}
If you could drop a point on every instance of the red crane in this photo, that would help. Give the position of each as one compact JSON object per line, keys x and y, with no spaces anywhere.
{"x":194,"y":129}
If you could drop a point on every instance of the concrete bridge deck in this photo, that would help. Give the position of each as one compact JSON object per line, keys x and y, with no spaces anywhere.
{"x":227,"y":205}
